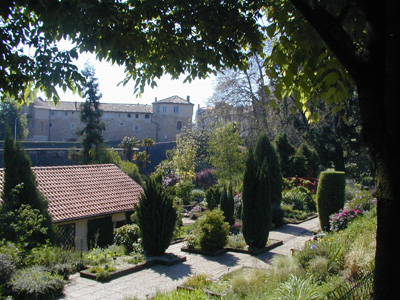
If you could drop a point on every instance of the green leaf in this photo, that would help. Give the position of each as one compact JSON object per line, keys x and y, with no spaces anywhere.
{"x":271,"y":29}
{"x":331,"y":78}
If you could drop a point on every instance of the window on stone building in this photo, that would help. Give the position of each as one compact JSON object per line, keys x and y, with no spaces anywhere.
{"x":176,"y":109}
{"x":137,"y":116}
{"x":147,"y":116}
{"x":136,"y":128}
{"x":129,"y":115}
{"x":179,"y":125}
{"x":164,"y":109}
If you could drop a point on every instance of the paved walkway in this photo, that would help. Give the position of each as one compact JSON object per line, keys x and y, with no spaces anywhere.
{"x":148,"y":282}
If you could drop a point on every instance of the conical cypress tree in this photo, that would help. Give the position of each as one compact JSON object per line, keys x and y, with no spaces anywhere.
{"x":228,"y":205}
{"x":265,"y":150}
{"x":256,"y":203}
{"x":20,"y":186}
{"x":156,"y":217}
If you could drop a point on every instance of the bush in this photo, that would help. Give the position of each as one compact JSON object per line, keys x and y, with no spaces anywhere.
{"x":198,"y":195}
{"x":184,"y":191}
{"x":299,"y":198}
{"x":35,"y":283}
{"x":256,"y":196}
{"x":297,"y":288}
{"x":228,"y":204}
{"x":330,"y":195}
{"x":205,"y":179}
{"x":340,"y":220}
{"x":213,"y":197}
{"x":156,"y":217}
{"x":7,"y":267}
{"x":362,"y":200}
{"x":213,"y":231}
{"x":127,"y":236}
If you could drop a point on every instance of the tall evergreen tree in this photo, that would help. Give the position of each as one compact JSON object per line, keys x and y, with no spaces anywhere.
{"x":228,"y":204}
{"x":256,"y":203}
{"x":264,"y":150}
{"x":92,"y":139}
{"x":156,"y":217}
{"x":285,"y":152}
{"x":20,"y":187}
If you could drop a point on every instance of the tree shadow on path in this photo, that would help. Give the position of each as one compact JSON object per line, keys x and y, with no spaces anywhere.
{"x":174,"y":272}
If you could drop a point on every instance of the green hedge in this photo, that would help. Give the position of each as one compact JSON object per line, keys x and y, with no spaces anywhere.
{"x":330,"y":195}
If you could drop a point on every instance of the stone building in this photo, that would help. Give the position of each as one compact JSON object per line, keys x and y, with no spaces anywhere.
{"x":161,"y":121}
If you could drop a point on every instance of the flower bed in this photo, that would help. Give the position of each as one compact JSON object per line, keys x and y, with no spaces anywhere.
{"x":168,"y":259}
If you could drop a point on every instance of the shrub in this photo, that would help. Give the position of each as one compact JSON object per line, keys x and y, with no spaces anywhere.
{"x":127,"y":236}
{"x":256,"y":196}
{"x":156,"y":217}
{"x":213,"y":230}
{"x":228,"y":205}
{"x":205,"y":179}
{"x":330,"y":195}
{"x":236,"y":241}
{"x":35,"y":283}
{"x":102,"y":275}
{"x":184,"y":191}
{"x":297,"y":288}
{"x":213,"y":197}
{"x":362,"y":200}
{"x":299,"y":198}
{"x":198,"y":195}
{"x":340,"y":220}
{"x":7,"y":267}
{"x":198,"y":281}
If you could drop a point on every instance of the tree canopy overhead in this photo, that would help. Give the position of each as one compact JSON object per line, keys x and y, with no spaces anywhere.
{"x":151,"y":38}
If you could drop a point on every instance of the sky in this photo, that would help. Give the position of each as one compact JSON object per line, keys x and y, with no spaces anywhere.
{"x":109,"y":76}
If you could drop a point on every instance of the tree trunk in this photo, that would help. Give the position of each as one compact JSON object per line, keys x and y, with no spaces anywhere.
{"x":384,"y":143}
{"x":379,"y":108}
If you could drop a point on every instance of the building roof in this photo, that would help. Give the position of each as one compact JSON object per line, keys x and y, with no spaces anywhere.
{"x":173,"y":100}
{"x":78,"y":192}
{"x":106,"y":107}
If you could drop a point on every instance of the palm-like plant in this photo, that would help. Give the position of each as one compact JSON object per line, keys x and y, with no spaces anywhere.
{"x":128,"y":145}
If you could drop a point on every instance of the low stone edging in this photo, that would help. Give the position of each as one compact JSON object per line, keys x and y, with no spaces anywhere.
{"x":137,"y":267}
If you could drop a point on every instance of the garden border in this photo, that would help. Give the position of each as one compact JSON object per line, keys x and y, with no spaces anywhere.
{"x":159,"y":260}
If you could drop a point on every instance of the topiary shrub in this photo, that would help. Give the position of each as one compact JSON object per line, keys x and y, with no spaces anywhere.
{"x":127,"y":236}
{"x":156,"y":217}
{"x":35,"y":283}
{"x":330,"y":195}
{"x":213,"y":231}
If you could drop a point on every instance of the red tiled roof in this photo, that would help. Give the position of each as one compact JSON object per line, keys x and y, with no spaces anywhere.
{"x":77,"y":192}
